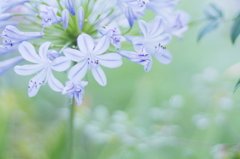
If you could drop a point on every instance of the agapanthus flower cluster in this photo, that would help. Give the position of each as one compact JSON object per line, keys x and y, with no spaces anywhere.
{"x":76,"y":36}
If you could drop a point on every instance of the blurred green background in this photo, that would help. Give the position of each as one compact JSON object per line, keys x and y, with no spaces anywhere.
{"x":183,"y":110}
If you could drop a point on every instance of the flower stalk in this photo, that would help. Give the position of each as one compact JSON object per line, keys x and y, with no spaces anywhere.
{"x":71,"y":131}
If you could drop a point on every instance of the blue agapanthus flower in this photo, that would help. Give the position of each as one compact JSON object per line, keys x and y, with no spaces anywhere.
{"x":114,"y":34}
{"x":75,"y":89}
{"x":153,"y":35}
{"x":49,"y":15}
{"x":90,"y":57}
{"x":43,"y":66}
{"x":133,"y":9}
{"x":76,"y":36}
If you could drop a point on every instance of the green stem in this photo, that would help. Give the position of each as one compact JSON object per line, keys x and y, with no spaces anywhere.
{"x":127,"y":31}
{"x":59,"y":4}
{"x":66,"y":45}
{"x":71,"y":131}
{"x":14,"y":15}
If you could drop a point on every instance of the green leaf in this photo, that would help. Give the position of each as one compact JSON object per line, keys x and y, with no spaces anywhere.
{"x":237,"y":85}
{"x":235,"y":31}
{"x":208,"y":28}
{"x":213,"y":12}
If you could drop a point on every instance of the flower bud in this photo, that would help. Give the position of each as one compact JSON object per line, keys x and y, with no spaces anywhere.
{"x":65,"y":19}
{"x":70,"y":6}
{"x":80,"y":18}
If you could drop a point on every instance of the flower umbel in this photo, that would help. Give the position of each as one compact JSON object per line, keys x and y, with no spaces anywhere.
{"x":86,"y":35}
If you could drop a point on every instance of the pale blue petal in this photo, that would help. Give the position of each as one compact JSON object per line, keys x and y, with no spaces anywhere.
{"x":103,"y":31}
{"x":69,"y":88}
{"x":163,"y":39}
{"x":156,"y":27}
{"x":78,"y":98}
{"x":8,"y":43}
{"x":7,"y":64}
{"x":65,"y":19}
{"x":53,"y":54}
{"x":138,"y":43}
{"x":80,"y":18}
{"x":128,"y":54}
{"x":102,"y":46}
{"x":55,"y":84}
{"x":4,"y":50}
{"x":110,"y":60}
{"x":78,"y":71}
{"x":162,"y":8}
{"x":3,"y":24}
{"x":85,"y":43}
{"x":28,"y":69}
{"x":84,"y":83}
{"x":74,"y":55}
{"x":43,"y":51}
{"x":5,"y":16}
{"x":36,"y":82}
{"x":144,"y":27}
{"x":130,"y":16}
{"x":135,"y":57}
{"x":99,"y":76}
{"x":164,"y":57}
{"x":33,"y":91}
{"x":28,"y":52}
{"x":61,"y":64}
{"x":148,"y":65}
{"x":13,"y":33}
{"x":9,"y":4}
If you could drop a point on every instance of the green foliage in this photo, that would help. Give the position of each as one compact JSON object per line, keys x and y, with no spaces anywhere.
{"x":235,"y":30}
{"x":237,"y":85}
{"x":214,"y":16}
{"x":212,"y":25}
{"x":213,"y":12}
